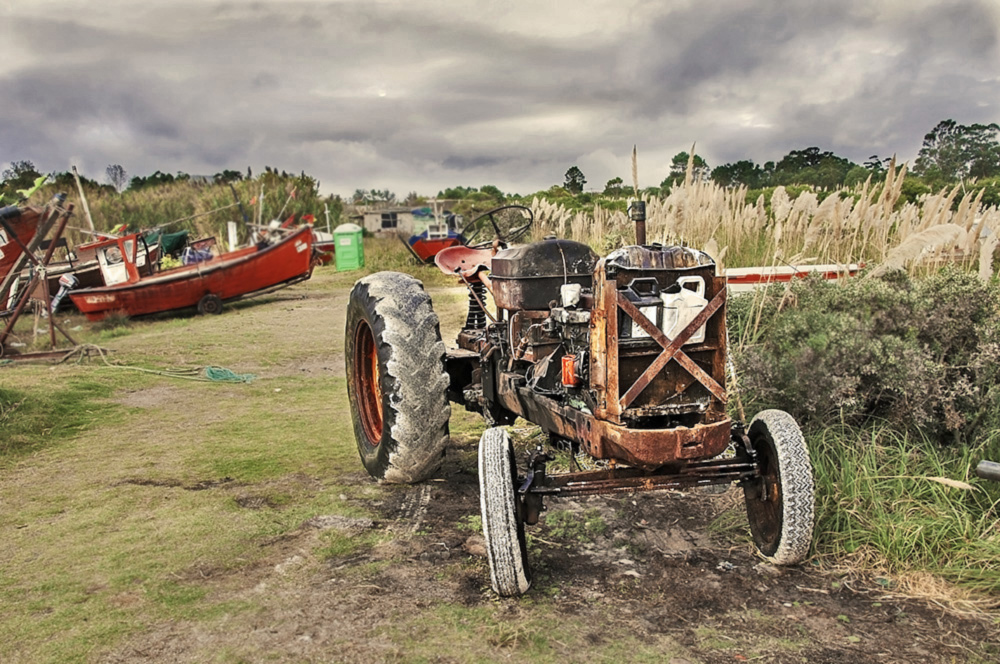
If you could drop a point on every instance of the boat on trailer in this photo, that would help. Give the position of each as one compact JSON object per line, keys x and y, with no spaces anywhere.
{"x":279,"y":261}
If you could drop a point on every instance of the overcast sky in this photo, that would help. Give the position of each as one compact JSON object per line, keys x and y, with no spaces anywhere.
{"x":419,"y":95}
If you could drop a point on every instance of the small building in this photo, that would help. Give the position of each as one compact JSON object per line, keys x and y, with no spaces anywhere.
{"x":389,"y":220}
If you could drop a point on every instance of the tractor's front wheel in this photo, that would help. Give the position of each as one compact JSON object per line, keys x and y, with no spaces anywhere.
{"x":503,"y":528}
{"x":396,"y":381}
{"x":780,"y":502}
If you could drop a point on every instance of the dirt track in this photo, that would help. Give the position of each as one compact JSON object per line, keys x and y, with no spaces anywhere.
{"x":651,"y":583}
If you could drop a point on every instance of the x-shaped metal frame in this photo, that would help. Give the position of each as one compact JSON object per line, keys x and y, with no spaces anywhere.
{"x":672,"y":348}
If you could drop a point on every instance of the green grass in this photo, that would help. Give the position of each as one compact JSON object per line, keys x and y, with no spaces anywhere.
{"x":586,"y":527}
{"x":122,"y":511}
{"x":749,"y":634}
{"x":271,"y":433}
{"x":337,"y":544}
{"x":879,"y":505}
{"x":472,"y":523}
{"x":32,"y":419}
{"x":528,"y":634}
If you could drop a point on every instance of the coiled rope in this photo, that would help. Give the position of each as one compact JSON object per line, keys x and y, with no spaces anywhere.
{"x":209,"y":374}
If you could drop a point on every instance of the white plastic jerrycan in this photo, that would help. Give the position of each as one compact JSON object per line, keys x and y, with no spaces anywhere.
{"x":680,"y":308}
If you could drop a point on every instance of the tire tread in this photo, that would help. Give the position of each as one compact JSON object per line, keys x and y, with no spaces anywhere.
{"x":797,"y":489}
{"x":409,"y":335}
{"x":502,"y":530}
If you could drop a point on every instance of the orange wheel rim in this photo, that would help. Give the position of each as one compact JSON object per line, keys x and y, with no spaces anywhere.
{"x":367,"y":386}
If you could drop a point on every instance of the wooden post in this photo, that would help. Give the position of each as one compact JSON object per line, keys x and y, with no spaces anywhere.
{"x":83,"y":199}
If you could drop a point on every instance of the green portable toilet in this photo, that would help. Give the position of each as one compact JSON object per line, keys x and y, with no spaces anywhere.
{"x":350,"y":249}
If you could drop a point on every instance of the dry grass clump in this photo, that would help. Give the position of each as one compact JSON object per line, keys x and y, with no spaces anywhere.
{"x":868,"y":224}
{"x":932,"y":588}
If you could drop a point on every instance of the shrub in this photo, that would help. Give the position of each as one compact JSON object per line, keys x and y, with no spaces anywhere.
{"x":912,"y":189}
{"x":921,"y":354}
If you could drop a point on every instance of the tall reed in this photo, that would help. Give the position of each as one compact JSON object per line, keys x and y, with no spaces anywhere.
{"x":868,"y":224}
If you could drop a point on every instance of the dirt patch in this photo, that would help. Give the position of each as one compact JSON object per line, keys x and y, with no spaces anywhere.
{"x":325,"y":365}
{"x":653,"y":566}
{"x":209,"y":484}
{"x":151,"y":397}
{"x":175,"y":483}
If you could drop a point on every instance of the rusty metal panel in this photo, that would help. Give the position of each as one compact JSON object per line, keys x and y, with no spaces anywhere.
{"x":650,"y":448}
{"x":717,"y":333}
{"x":599,"y":345}
{"x":602,"y":439}
{"x":672,"y":349}
{"x":609,"y":302}
{"x":615,"y":480}
{"x":529,"y":276}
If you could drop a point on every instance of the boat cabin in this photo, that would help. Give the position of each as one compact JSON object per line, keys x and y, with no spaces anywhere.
{"x":120,"y":258}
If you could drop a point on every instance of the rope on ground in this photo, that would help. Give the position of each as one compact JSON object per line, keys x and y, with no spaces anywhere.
{"x":227,"y":376}
{"x":209,"y":374}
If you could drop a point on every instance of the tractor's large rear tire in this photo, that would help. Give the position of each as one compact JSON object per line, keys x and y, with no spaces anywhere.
{"x":503,"y":528}
{"x":780,"y":504}
{"x":396,"y":380}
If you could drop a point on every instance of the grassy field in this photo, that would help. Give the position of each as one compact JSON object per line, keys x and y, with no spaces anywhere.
{"x":122,"y":483}
{"x":149,"y":517}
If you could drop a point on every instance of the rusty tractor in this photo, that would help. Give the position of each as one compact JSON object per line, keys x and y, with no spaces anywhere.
{"x":620,"y":359}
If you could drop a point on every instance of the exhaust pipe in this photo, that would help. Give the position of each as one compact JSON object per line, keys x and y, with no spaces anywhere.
{"x":637,"y":213}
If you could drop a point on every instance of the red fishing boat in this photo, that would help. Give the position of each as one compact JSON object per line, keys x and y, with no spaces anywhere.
{"x":18,"y":226}
{"x":279,"y":261}
{"x":433,"y":231}
{"x":427,"y":244}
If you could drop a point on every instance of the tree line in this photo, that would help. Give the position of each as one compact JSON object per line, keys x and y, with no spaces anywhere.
{"x":950,"y":153}
{"x":21,"y":174}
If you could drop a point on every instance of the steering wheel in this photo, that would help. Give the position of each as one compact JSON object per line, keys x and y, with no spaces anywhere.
{"x":503,"y":224}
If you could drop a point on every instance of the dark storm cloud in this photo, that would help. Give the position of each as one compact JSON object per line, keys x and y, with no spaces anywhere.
{"x":966,"y":29}
{"x":461,"y":163}
{"x":425,"y":95}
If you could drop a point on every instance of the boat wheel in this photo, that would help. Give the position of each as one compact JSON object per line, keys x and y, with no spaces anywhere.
{"x":210,"y":304}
